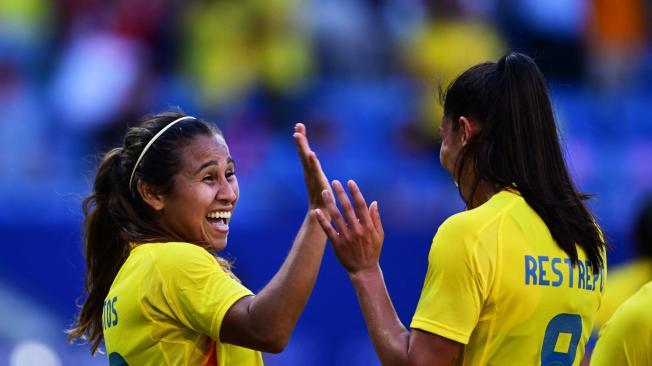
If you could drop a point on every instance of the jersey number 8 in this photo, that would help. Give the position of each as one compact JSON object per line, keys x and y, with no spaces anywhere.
{"x":558,"y":349}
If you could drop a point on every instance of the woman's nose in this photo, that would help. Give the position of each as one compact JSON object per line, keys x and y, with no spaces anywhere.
{"x":226,"y":191}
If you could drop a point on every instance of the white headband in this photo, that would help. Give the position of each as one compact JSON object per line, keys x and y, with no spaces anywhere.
{"x":162,"y":131}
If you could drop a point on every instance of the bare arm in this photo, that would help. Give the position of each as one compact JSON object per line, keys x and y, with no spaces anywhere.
{"x":265,"y":321}
{"x":357,"y":243}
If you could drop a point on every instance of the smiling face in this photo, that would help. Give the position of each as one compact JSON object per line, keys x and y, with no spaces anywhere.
{"x":205,"y":190}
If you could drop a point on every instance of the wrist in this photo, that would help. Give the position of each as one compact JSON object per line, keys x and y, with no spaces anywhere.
{"x":367,"y":274}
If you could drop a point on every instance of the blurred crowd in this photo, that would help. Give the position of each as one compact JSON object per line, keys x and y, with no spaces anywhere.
{"x":364,"y":75}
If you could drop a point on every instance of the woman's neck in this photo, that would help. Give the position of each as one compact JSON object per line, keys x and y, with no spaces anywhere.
{"x":483,"y":192}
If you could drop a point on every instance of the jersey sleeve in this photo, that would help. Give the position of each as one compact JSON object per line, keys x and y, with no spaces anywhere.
{"x":610,"y":348}
{"x":626,"y":339}
{"x":199,"y":292}
{"x":456,"y":283}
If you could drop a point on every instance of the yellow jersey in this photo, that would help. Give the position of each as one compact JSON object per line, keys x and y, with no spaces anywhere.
{"x":165,"y":307}
{"x":626,"y":338}
{"x":624,"y":281}
{"x":498,"y":283}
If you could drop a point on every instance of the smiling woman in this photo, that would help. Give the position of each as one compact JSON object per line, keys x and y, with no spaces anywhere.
{"x":155,"y":294}
{"x":199,"y":205}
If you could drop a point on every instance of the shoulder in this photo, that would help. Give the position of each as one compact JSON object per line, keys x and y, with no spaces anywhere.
{"x":620,"y":335}
{"x":634,"y":310}
{"x":473,"y":223}
{"x":475,"y":232}
{"x":463,"y":222}
{"x":631,"y":318}
{"x":173,"y":256}
{"x":458,"y":237}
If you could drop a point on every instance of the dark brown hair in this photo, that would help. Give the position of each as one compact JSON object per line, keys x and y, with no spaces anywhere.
{"x":643,"y":229}
{"x":115,"y":213}
{"x":518,"y":146}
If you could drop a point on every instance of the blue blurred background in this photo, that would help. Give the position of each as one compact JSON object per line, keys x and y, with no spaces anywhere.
{"x":362,"y":75}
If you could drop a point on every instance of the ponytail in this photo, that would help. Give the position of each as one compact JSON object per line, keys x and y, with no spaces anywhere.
{"x":104,"y":249}
{"x":518,"y":146}
{"x":116,"y":216}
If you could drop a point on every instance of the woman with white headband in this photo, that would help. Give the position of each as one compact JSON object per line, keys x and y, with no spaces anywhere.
{"x":156,"y":295}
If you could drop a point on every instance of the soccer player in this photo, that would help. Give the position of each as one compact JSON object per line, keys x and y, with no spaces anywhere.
{"x":626,"y":338}
{"x":515,"y":279}
{"x":627,"y":278}
{"x":156,"y":295}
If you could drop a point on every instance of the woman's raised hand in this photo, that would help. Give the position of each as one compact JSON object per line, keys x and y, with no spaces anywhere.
{"x":314,"y":176}
{"x":358,"y":235}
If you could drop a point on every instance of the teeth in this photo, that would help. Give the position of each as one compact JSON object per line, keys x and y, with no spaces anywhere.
{"x":219,"y":215}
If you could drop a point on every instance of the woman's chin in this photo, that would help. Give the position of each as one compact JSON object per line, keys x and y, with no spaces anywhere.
{"x":217,"y":245}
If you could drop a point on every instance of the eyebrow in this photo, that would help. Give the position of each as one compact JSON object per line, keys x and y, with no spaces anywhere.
{"x":229,"y":160}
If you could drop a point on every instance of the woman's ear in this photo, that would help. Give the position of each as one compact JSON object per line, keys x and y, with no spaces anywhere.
{"x":150,"y":195}
{"x":468,"y":129}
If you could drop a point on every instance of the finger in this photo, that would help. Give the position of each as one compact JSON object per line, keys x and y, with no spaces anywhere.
{"x":304,"y":148}
{"x":359,"y":203}
{"x":345,"y":203}
{"x":318,"y":172}
{"x":330,"y":231}
{"x":375,"y":217}
{"x":300,"y":128}
{"x":311,"y":165}
{"x":332,"y":210}
{"x":301,"y":138}
{"x":313,"y":162}
{"x":302,"y":145}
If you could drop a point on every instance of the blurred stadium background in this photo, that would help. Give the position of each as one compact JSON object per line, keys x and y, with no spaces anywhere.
{"x":363,"y":76}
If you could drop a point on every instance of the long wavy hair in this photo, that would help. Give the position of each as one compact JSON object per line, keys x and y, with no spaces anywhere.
{"x":518,"y":146}
{"x":116,"y":215}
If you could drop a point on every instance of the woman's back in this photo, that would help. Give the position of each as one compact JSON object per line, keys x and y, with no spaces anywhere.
{"x":500,"y":284}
